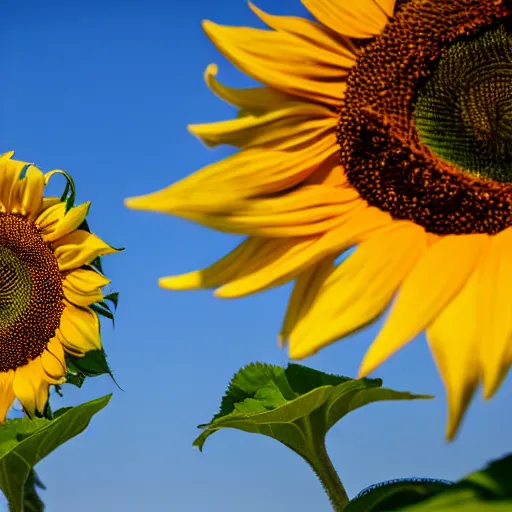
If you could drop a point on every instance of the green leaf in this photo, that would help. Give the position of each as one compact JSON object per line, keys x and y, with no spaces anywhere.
{"x":31,"y":500}
{"x":24,"y":442}
{"x":395,"y":494}
{"x":297,"y":405}
{"x":488,"y":490}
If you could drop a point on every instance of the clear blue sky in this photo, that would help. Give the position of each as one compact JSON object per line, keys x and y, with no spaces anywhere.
{"x":105,"y":90}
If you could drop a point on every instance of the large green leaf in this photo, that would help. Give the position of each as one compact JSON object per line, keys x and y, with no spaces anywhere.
{"x":395,"y":494}
{"x":488,"y":490}
{"x":24,"y":442}
{"x":297,"y":405}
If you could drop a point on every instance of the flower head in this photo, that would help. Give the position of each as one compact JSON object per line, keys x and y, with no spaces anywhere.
{"x":47,"y":286}
{"x":386,"y":125}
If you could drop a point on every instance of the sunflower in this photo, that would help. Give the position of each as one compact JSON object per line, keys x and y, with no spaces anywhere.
{"x":46,"y":286}
{"x":385,"y":126}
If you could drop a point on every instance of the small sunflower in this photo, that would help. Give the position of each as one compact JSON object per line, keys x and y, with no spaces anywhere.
{"x":46,"y":286}
{"x":385,"y":125}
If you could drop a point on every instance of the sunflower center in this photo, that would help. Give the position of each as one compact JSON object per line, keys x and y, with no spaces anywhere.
{"x":464,"y":111}
{"x":425,"y":128}
{"x":30,"y":293}
{"x":15,"y":287}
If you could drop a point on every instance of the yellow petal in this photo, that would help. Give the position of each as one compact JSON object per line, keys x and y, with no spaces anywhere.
{"x":494,"y":311}
{"x":53,"y":361}
{"x":30,"y":387}
{"x":32,"y":195}
{"x":250,"y":254}
{"x":50,"y":216}
{"x":79,"y":248}
{"x":304,"y":293}
{"x":452,"y":340}
{"x":302,"y":253}
{"x":10,"y":171}
{"x":431,"y":285}
{"x":305,"y":31}
{"x":388,"y":6}
{"x":49,"y":201}
{"x":353,"y":18}
{"x":360,"y":288}
{"x":278,"y":130}
{"x":66,"y":223}
{"x":222,"y":185}
{"x":6,"y":393}
{"x":83,"y":287}
{"x":317,"y":209}
{"x":79,"y":329}
{"x":254,"y":100}
{"x":283,"y":61}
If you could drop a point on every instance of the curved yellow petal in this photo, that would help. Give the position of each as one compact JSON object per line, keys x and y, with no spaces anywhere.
{"x":6,"y":393}
{"x":452,"y":340}
{"x":32,"y":195}
{"x":50,"y":216}
{"x":431,"y":285}
{"x":308,"y":32}
{"x":253,"y":253}
{"x":283,"y":61}
{"x":301,"y":253}
{"x":255,"y":100}
{"x":494,"y":311}
{"x":49,"y":201}
{"x":305,"y":292}
{"x":79,"y":329}
{"x":83,"y":287}
{"x":388,"y":6}
{"x":353,"y":18}
{"x":223,"y":185}
{"x":79,"y":248}
{"x":307,"y":211}
{"x":359,"y":290}
{"x":10,"y":172}
{"x":66,"y":223}
{"x":30,"y":386}
{"x":53,"y":361}
{"x":278,"y":130}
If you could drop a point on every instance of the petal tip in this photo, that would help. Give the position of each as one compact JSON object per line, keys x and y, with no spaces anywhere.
{"x":136,"y":203}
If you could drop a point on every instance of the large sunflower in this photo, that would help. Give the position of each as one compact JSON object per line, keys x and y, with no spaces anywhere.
{"x":46,"y":287}
{"x":387,"y":126}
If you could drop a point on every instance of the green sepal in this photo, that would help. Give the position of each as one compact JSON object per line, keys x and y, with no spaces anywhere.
{"x":32,"y":502}
{"x":395,"y":494}
{"x":85,"y":227}
{"x":103,"y":309}
{"x":112,"y":297}
{"x":73,"y":375}
{"x":96,"y":263}
{"x":488,"y":490}
{"x":24,"y":442}
{"x":92,"y":364}
{"x":23,"y":171}
{"x":296,"y":406}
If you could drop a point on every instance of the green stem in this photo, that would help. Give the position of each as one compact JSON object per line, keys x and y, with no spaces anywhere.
{"x":329,"y":478}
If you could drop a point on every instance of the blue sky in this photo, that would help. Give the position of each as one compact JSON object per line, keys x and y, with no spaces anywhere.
{"x":105,"y":90}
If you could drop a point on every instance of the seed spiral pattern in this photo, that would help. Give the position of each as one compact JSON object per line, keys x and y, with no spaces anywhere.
{"x":31,"y":297}
{"x":464,"y":111}
{"x":380,"y":146}
{"x":15,"y":287}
